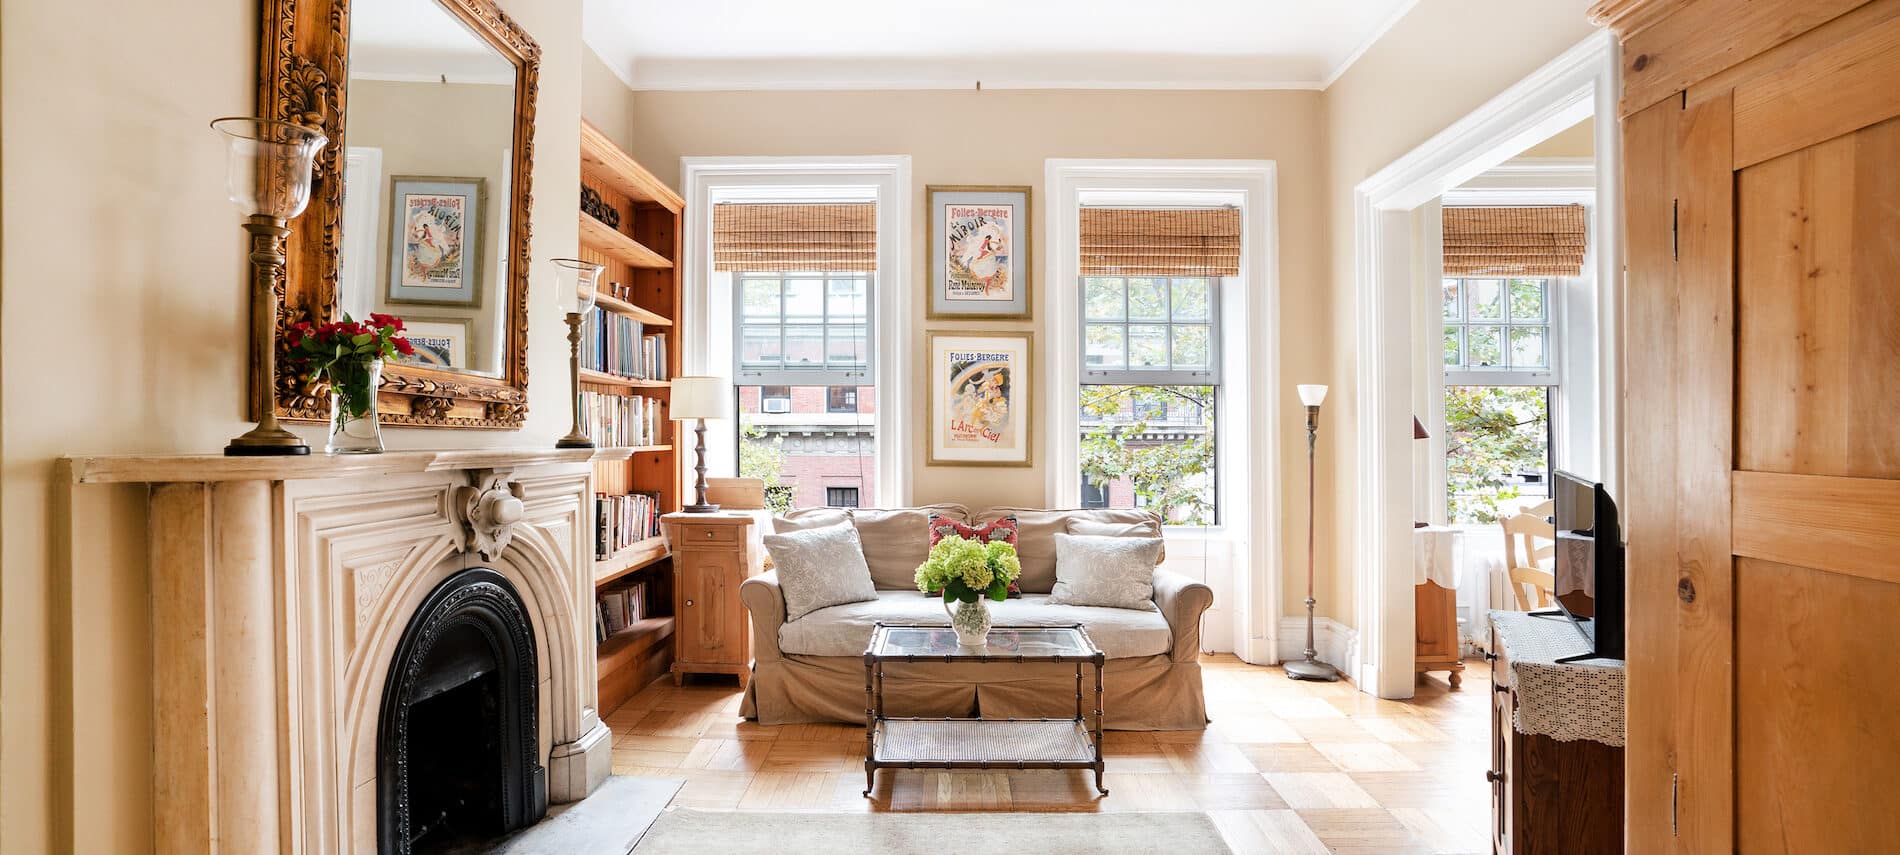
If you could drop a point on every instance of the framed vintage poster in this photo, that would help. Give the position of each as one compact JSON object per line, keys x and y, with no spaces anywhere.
{"x":979,"y":253}
{"x":439,"y":342}
{"x":981,"y":398}
{"x":435,"y":248}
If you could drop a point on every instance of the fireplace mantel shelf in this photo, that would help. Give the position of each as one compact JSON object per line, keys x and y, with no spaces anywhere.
{"x":164,"y":468}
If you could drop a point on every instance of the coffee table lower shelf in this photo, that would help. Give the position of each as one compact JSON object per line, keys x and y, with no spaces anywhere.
{"x":971,"y":743}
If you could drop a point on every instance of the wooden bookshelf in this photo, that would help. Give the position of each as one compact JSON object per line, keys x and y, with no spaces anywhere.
{"x":639,"y":556}
{"x":617,"y":244}
{"x":641,"y":281}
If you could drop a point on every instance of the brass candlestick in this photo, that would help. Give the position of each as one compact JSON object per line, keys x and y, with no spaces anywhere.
{"x":574,"y":281}
{"x":576,"y":438}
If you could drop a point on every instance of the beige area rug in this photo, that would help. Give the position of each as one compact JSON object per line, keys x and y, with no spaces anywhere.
{"x":684,"y":831}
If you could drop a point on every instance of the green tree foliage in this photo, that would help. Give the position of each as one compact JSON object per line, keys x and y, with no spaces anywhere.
{"x":763,"y":457}
{"x":1492,"y":432}
{"x":1171,"y":478}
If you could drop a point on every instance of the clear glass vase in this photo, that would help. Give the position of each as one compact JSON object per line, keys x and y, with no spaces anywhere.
{"x":354,"y":427}
{"x":971,"y":621}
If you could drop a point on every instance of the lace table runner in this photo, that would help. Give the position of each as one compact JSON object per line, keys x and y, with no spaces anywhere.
{"x":1566,"y":702}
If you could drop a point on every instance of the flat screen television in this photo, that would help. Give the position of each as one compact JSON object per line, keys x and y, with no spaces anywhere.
{"x":1589,"y":562}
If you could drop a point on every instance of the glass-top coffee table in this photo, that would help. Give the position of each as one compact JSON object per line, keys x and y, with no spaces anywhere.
{"x":980,"y":743}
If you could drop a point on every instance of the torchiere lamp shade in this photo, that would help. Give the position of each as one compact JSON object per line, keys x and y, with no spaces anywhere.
{"x":1312,"y":394}
{"x":699,"y":397}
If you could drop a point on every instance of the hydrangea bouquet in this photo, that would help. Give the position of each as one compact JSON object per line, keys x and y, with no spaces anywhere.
{"x":966,"y":571}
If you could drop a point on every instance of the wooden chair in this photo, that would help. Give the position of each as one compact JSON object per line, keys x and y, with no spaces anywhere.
{"x":1524,"y":558}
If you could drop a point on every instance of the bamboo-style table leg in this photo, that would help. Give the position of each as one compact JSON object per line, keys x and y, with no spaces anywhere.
{"x":1099,"y":766}
{"x":870,"y":728}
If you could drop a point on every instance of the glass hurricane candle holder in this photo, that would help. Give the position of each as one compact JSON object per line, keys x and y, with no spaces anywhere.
{"x":267,"y":175}
{"x":574,"y":283}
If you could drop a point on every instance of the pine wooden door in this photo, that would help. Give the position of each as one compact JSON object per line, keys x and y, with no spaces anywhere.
{"x":1763,"y":445}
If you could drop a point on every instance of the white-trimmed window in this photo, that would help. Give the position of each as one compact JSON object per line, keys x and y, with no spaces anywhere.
{"x":805,"y":328}
{"x":1149,"y":356}
{"x":1501,"y":340}
{"x":1500,"y":330}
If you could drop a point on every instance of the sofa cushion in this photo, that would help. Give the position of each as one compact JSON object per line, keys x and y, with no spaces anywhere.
{"x":997,"y":531}
{"x":1115,"y":572}
{"x":820,"y":567}
{"x":846,"y":630}
{"x":1036,"y":537}
{"x":894,"y":541}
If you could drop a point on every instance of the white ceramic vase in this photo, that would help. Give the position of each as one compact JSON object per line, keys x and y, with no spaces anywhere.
{"x":971,"y":621}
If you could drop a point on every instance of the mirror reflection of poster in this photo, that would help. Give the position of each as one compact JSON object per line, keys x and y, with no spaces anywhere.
{"x":435,"y":240}
{"x":979,"y":252}
{"x":980,"y":399}
{"x":438,"y":343}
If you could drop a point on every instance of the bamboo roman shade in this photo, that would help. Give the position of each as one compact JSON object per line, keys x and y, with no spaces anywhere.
{"x":1160,"y":241}
{"x":787,"y":237}
{"x":1518,"y":241}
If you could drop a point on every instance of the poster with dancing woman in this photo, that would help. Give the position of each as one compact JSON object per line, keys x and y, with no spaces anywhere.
{"x":980,"y":398}
{"x":980,"y":252}
{"x":435,"y":240}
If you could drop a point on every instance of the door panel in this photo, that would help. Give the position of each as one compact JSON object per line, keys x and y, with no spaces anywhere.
{"x":1650,"y":400}
{"x":1820,"y":739}
{"x":1818,"y":362}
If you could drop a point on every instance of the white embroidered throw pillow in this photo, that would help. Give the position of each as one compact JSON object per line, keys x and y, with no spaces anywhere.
{"x":1117,"y":572}
{"x":820,"y":567}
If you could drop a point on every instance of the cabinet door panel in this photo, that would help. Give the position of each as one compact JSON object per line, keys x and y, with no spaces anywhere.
{"x":708,"y":586}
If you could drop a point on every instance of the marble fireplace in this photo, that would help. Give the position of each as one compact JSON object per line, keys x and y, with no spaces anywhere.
{"x":354,"y":655}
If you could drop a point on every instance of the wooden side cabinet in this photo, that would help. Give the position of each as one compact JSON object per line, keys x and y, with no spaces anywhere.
{"x":1548,"y":797}
{"x":712,"y":555}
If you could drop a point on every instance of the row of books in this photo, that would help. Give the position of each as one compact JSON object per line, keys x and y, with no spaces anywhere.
{"x":616,"y":344}
{"x":616,"y":420}
{"x":620,"y":608}
{"x":621,"y":521}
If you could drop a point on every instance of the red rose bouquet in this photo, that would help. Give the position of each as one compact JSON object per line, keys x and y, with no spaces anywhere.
{"x":349,"y":354}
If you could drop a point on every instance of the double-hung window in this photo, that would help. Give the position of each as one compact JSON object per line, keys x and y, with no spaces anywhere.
{"x":1150,"y":360}
{"x":805,"y":277}
{"x":1506,"y":271}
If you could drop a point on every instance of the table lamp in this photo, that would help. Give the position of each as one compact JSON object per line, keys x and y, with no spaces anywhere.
{"x":574,"y":281}
{"x":700,"y":398}
{"x":1311,"y":668}
{"x":267,"y":175}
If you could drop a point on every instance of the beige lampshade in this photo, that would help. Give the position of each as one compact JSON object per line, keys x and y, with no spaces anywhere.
{"x":701,"y":398}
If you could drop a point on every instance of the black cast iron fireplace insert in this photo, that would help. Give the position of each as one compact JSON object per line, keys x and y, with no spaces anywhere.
{"x":456,"y":745}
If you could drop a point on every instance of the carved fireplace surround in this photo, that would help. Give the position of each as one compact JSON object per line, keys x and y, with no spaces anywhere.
{"x":281,"y":592}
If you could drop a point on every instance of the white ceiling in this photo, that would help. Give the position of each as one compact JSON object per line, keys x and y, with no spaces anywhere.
{"x":419,"y":40}
{"x":1005,"y":44}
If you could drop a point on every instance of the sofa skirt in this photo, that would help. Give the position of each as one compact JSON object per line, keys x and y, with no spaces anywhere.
{"x":1144,"y":693}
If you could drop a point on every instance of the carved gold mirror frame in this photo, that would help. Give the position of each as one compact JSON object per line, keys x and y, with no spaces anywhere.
{"x":303,"y":77}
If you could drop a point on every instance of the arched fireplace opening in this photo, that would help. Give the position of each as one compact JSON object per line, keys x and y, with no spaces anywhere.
{"x":456,"y":744}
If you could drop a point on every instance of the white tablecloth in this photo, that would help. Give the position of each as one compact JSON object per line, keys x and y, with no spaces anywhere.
{"x":1437,"y":555}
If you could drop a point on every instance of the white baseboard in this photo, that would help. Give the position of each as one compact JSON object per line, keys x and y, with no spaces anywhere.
{"x":1336,"y":643}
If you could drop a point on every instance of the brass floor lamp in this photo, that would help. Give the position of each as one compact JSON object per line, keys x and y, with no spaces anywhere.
{"x":1311,"y":668}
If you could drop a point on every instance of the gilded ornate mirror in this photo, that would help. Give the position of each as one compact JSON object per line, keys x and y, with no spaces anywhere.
{"x":421,"y":209}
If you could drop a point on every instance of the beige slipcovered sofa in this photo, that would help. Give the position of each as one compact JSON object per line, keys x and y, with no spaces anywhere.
{"x":812,"y":669}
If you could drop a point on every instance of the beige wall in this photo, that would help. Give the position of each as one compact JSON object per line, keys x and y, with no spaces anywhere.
{"x":604,"y":99}
{"x":1437,"y":64}
{"x":1004,"y":137}
{"x":1578,"y":140}
{"x":123,"y":315}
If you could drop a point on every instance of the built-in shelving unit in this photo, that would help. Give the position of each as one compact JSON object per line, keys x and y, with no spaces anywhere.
{"x":641,"y":281}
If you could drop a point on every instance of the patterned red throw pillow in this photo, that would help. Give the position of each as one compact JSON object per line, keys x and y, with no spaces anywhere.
{"x":1002,"y":529}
